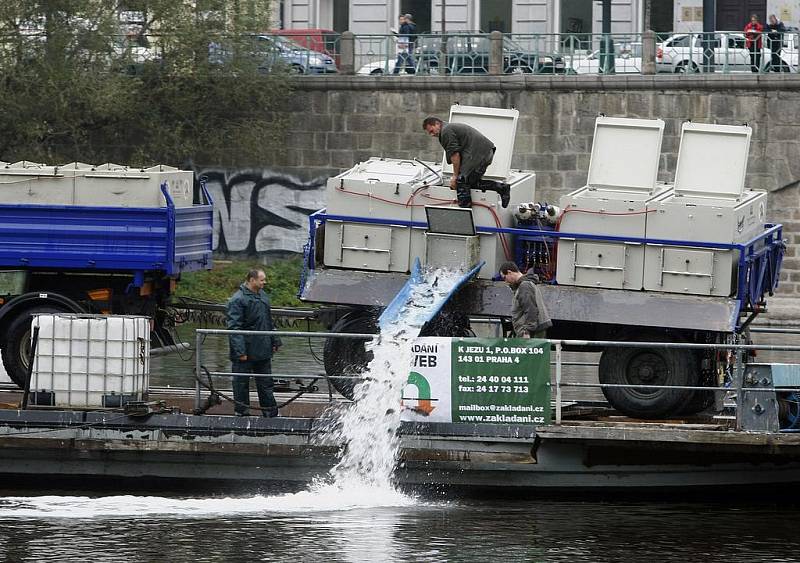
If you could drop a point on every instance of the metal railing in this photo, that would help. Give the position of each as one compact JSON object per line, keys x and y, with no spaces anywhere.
{"x":201,"y":333}
{"x":735,"y":384}
{"x":455,"y":53}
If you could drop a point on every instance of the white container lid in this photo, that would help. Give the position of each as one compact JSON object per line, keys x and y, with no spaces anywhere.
{"x":625,"y":154}
{"x":712,"y":160}
{"x":27,"y":168}
{"x":499,"y":125}
{"x":391,"y":171}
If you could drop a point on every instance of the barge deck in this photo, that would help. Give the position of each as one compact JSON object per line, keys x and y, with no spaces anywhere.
{"x":601,"y":453}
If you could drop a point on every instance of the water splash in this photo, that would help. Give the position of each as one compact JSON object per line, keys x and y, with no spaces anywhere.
{"x":368,"y":428}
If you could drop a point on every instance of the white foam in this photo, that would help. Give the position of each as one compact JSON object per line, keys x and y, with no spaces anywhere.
{"x":324,"y":498}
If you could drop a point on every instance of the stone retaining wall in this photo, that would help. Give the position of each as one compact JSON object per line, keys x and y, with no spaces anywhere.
{"x":338,"y":121}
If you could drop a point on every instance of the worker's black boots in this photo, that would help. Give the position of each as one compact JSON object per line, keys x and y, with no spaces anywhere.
{"x":501,"y":188}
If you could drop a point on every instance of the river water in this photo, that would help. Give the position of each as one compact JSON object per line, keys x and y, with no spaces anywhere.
{"x":285,"y":528}
{"x":276,"y":525}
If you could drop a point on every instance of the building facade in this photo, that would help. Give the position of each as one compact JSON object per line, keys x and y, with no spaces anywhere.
{"x":366,"y":17}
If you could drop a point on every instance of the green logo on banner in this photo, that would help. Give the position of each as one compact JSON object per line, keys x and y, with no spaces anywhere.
{"x":424,"y":403}
{"x":504,"y":381}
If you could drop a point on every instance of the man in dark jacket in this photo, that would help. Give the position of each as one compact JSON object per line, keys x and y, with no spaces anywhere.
{"x":249,"y":309}
{"x":775,"y":36}
{"x":406,"y":41}
{"x":528,"y":311}
{"x":470,"y":153}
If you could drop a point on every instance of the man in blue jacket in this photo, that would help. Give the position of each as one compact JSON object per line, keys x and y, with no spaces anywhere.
{"x":249,"y":309}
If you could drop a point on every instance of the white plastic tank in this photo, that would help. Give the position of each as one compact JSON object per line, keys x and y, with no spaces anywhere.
{"x":622,"y":180}
{"x":78,"y":183}
{"x":90,"y":360}
{"x":709,"y":204}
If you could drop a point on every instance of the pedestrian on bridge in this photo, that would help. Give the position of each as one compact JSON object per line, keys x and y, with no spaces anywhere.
{"x":775,"y":36}
{"x":754,"y":42}
{"x":249,"y":309}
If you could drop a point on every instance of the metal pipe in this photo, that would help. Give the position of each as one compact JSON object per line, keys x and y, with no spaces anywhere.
{"x":679,"y":345}
{"x":285,"y":375}
{"x":558,"y":383}
{"x":197,"y":368}
{"x":359,"y":336}
{"x":686,"y":387}
{"x":29,"y":371}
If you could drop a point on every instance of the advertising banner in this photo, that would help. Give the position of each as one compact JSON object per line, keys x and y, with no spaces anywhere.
{"x":486,"y":380}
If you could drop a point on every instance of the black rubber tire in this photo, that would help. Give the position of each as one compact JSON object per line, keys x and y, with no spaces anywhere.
{"x":648,"y":366}
{"x":17,"y":345}
{"x":450,"y":321}
{"x":347,"y":356}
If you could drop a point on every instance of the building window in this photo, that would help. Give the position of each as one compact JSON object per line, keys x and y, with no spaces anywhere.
{"x":496,"y":16}
{"x":341,"y":15}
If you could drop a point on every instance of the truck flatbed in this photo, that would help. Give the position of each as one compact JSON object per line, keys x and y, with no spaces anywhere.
{"x":564,"y":303}
{"x":120,"y":239}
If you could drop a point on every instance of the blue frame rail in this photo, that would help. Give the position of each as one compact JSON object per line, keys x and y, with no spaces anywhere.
{"x":759,"y":260}
{"x":119,"y":239}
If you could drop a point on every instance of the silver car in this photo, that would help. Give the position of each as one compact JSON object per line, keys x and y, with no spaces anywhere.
{"x":273,"y":51}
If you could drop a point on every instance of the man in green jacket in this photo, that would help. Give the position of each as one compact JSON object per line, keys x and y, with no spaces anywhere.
{"x":249,"y":309}
{"x":470,"y":152}
{"x":528,"y":312}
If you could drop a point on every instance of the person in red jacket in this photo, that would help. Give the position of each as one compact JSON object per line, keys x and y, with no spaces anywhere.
{"x":752,"y":34}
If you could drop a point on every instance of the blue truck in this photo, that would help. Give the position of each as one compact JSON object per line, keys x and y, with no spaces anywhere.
{"x":91,"y":257}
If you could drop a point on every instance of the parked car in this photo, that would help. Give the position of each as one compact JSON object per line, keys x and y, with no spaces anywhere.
{"x":684,"y":52}
{"x":271,"y":51}
{"x":320,"y":40}
{"x":627,"y":59}
{"x":385,"y":66}
{"x":469,"y":54}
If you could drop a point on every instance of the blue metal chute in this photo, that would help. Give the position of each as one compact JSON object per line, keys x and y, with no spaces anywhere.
{"x":400,"y":300}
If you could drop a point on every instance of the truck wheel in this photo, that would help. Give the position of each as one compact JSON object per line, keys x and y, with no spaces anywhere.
{"x":17,"y":348}
{"x":347,"y":356}
{"x":647,"y":366}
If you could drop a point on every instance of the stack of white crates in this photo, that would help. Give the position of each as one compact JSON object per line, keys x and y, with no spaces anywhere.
{"x":376,"y":189}
{"x":399,"y":190}
{"x":91,"y":361}
{"x":622,"y":181}
{"x":710,"y":205}
{"x":78,"y":183}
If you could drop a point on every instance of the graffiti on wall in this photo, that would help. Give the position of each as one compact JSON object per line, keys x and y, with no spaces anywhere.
{"x":261,"y":211}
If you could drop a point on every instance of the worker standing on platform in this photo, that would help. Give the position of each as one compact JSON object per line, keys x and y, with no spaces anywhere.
{"x":528,"y":311}
{"x":470,"y":153}
{"x":249,"y":309}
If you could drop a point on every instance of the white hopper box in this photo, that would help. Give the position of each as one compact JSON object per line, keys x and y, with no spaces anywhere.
{"x":85,"y":361}
{"x":622,"y":180}
{"x":709,"y":204}
{"x":105,"y":185}
{"x":390,"y":193}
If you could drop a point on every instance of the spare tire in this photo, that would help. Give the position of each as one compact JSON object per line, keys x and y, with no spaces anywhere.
{"x":648,"y":366}
{"x":17,"y":349}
